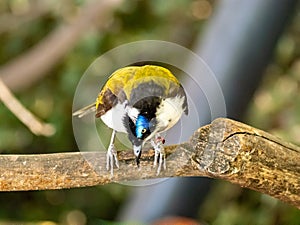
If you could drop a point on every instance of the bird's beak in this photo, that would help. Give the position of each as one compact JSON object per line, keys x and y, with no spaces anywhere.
{"x":137,"y":150}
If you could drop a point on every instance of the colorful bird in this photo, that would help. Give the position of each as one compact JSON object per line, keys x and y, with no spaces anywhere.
{"x":142,"y":101}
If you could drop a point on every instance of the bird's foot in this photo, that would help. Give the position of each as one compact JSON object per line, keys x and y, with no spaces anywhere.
{"x":111,"y":157}
{"x":159,"y":156}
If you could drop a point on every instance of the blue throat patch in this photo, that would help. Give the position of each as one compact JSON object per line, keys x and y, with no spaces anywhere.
{"x":141,"y":124}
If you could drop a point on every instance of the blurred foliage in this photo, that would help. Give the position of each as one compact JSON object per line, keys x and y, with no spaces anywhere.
{"x":276,"y":104}
{"x":231,"y":204}
{"x":23,"y":23}
{"x":275,"y":108}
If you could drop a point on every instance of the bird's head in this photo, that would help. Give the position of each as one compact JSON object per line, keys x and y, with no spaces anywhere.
{"x":142,"y":128}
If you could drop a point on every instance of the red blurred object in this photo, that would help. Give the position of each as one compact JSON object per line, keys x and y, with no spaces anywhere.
{"x":160,"y":139}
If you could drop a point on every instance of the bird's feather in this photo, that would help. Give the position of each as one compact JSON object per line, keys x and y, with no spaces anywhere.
{"x":120,"y":84}
{"x":84,"y":111}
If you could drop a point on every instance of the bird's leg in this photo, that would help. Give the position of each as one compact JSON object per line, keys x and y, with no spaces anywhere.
{"x":156,"y":151}
{"x":111,"y":154}
{"x":157,"y":144}
{"x":162,"y":159}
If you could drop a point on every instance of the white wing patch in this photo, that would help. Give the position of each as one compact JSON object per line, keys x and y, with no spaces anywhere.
{"x":113,"y":118}
{"x":169,"y":112}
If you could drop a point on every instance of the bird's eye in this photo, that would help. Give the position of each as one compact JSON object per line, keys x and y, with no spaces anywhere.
{"x":144,"y":130}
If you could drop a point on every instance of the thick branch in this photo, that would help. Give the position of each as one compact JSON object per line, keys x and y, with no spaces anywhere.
{"x":225,"y":149}
{"x":250,"y":158}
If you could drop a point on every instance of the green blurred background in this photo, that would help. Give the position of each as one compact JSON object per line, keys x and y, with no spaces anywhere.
{"x":25,"y":23}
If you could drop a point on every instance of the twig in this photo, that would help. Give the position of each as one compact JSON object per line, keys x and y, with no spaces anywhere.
{"x":225,"y":149}
{"x":26,"y":117}
{"x":32,"y":65}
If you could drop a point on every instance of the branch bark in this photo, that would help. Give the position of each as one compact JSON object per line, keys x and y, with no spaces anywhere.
{"x":224,"y":149}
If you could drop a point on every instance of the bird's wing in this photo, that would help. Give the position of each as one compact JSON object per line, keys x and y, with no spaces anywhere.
{"x":108,"y":100}
{"x":113,"y":90}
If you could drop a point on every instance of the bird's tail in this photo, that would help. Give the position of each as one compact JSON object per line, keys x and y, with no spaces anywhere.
{"x":84,"y":111}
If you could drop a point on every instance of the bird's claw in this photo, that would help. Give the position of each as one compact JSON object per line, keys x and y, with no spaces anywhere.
{"x":161,"y":160}
{"x":111,"y":157}
{"x":159,"y":152}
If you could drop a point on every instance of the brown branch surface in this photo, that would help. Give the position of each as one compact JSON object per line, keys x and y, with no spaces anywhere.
{"x":225,"y":149}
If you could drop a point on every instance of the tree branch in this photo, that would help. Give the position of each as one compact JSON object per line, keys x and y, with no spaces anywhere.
{"x":225,"y":149}
{"x":34,"y":124}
